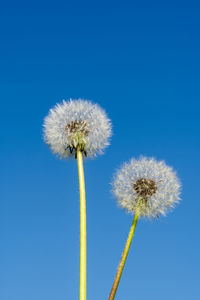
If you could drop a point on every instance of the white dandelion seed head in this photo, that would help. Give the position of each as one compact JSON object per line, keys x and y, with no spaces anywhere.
{"x":77,"y":123}
{"x":147,"y":186}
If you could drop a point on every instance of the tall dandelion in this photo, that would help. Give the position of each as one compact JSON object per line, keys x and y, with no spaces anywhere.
{"x":145,"y":188}
{"x":78,"y":128}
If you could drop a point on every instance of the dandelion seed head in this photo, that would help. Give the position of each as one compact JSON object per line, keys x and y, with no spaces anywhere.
{"x":147,"y":186}
{"x":77,"y":124}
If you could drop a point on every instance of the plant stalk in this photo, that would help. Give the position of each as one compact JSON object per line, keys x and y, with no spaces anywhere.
{"x":83,"y":246}
{"x":123,"y":258}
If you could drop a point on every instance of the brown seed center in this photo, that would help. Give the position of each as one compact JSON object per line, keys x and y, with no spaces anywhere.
{"x":77,"y":126}
{"x":145,"y":187}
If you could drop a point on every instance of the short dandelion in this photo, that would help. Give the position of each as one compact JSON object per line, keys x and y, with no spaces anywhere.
{"x":145,"y":188}
{"x":78,"y":128}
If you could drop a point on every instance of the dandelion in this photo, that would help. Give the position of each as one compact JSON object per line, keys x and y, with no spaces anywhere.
{"x":145,"y":188}
{"x":78,"y":128}
{"x":77,"y":124}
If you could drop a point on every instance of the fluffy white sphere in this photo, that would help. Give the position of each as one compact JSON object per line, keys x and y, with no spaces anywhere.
{"x":77,"y":123}
{"x":147,"y":186}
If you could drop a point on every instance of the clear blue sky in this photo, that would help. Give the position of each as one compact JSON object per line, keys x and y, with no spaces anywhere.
{"x":140,"y":60}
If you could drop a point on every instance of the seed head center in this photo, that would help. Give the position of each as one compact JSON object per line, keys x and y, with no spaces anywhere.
{"x":145,"y":187}
{"x":76,"y":132}
{"x":77,"y":126}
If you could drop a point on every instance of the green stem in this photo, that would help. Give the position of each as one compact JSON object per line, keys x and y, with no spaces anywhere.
{"x":123,"y":258}
{"x":83,"y":254}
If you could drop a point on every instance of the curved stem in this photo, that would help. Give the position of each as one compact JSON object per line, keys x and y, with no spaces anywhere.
{"x":123,"y":258}
{"x":83,"y":254}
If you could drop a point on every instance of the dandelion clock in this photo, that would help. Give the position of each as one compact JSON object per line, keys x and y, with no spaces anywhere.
{"x":78,"y":129}
{"x":146,"y":188}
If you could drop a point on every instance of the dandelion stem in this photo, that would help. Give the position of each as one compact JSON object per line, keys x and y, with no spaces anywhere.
{"x":123,"y":258}
{"x":82,"y":276}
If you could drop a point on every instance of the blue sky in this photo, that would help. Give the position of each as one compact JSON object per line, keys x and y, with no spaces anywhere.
{"x":140,"y":61}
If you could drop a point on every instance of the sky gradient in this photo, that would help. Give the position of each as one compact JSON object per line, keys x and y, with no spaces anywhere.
{"x":140,"y":61}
